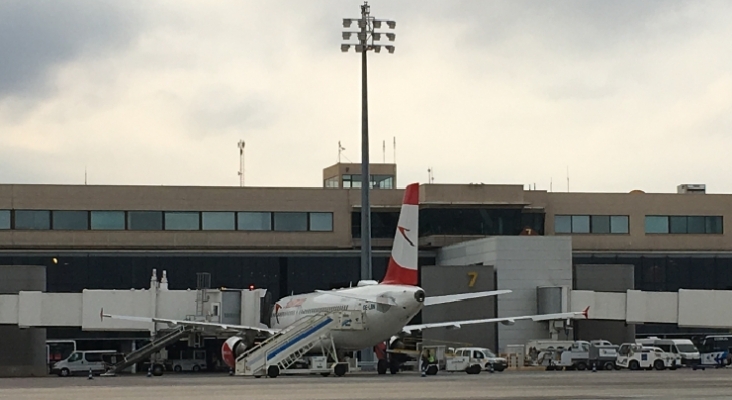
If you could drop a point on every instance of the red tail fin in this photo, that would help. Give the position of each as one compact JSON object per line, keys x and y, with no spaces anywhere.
{"x":402,"y":269}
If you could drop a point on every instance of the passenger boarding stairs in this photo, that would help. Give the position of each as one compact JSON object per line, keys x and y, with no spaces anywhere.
{"x":282,"y":350}
{"x":144,"y":352}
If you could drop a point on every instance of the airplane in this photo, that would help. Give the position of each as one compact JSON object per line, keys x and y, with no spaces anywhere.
{"x":388,"y":305}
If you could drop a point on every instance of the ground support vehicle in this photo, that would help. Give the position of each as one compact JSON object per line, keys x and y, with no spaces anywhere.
{"x":634,"y":356}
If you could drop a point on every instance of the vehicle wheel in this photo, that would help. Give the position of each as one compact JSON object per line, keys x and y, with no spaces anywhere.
{"x":432,"y":369}
{"x":158,"y":370}
{"x":609,"y":366}
{"x":473,"y":369}
{"x":581,"y":366}
{"x":273,"y":371}
{"x":325,"y":374}
{"x":659,"y":365}
{"x":64,"y":372}
{"x":499,"y":368}
{"x":177,"y":368}
{"x":381,"y":367}
{"x":340,"y":369}
{"x":633,"y":365}
{"x":196,"y":368}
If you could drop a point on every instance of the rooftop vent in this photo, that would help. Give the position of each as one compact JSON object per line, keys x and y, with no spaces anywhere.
{"x":691,"y":188}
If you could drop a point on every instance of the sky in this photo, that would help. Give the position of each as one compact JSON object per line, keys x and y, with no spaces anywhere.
{"x":616,"y":95}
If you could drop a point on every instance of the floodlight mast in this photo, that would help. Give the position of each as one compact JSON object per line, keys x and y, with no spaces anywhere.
{"x":366,"y":38}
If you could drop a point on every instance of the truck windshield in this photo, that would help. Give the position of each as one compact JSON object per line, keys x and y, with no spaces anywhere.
{"x":686,"y":348}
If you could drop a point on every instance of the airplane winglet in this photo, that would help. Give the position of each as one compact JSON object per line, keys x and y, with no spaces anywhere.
{"x":586,"y":312}
{"x":101,"y":314}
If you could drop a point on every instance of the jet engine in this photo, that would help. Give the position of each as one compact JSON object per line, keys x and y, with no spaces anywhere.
{"x":233,"y":347}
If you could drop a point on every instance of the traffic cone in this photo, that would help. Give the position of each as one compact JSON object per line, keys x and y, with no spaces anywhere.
{"x":594,"y":367}
{"x":231,"y":371}
{"x":90,"y":374}
{"x":149,"y":371}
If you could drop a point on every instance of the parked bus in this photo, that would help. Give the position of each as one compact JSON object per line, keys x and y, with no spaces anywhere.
{"x":715,"y":350}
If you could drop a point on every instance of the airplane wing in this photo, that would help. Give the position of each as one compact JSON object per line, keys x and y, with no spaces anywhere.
{"x":175,"y":322}
{"x":506,"y":320}
{"x":370,"y":299}
{"x":428,"y":301}
{"x":450,"y":298}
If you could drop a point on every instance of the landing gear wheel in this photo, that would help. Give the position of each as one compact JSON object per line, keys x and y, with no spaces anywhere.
{"x":273,"y":371}
{"x":382,"y":366}
{"x":393,"y":366}
{"x":432,"y":369}
{"x":158,"y":370}
{"x":340,"y":369}
{"x":177,"y":368}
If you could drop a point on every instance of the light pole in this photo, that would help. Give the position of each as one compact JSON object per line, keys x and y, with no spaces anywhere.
{"x":367,"y":36}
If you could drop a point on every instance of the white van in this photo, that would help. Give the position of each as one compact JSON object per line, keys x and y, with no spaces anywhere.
{"x":683,"y":347}
{"x":80,"y":362}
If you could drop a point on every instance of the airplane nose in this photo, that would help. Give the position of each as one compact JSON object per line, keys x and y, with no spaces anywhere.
{"x":419,"y":296}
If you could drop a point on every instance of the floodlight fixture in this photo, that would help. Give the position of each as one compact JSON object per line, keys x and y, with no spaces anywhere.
{"x":347,"y":22}
{"x":347,"y":35}
{"x":390,"y":49}
{"x":376,"y":36}
{"x":377,"y":24}
{"x":345,"y":47}
{"x":391,"y":24}
{"x":391,"y":36}
{"x":377,"y":48}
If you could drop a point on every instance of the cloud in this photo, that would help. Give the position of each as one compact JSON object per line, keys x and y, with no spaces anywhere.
{"x":37,"y":36}
{"x":160,"y":92}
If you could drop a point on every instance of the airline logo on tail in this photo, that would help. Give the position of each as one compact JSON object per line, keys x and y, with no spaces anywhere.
{"x":402,"y":269}
{"x":404,"y":231}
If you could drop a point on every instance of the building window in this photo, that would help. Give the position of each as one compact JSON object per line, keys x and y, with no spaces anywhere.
{"x":254,"y":221}
{"x":290,"y":221}
{"x":351,"y":181}
{"x":218,"y":221}
{"x":145,"y":220}
{"x":563,"y":224}
{"x":382,"y":182}
{"x":331,"y":182}
{"x":321,"y":221}
{"x":108,"y":220}
{"x":619,"y":224}
{"x":580,"y":224}
{"x":599,"y":224}
{"x":4,"y":219}
{"x":32,"y":219}
{"x":70,"y":220}
{"x":682,"y":224}
{"x":182,"y":221}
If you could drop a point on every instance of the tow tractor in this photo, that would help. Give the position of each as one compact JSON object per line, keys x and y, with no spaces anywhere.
{"x":582,"y":355}
{"x":635,"y":356}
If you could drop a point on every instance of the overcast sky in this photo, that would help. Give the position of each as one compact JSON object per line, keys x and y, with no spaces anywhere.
{"x":625,"y":94}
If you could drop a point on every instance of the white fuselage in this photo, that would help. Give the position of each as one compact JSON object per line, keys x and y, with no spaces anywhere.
{"x":380,"y":321}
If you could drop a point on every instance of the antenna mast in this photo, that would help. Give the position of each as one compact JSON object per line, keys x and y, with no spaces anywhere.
{"x":394,"y":149}
{"x":241,"y":162}
{"x":383,"y":149}
{"x":567,"y":178}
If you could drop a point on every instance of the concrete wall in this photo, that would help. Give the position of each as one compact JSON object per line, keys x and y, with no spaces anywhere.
{"x":442,"y":280}
{"x":22,"y":351}
{"x":612,"y":278}
{"x":522,"y":263}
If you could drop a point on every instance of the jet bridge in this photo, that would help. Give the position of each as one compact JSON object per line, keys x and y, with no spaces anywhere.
{"x":280,"y":352}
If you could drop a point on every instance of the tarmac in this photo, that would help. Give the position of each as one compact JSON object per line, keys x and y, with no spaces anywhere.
{"x":680,"y":384}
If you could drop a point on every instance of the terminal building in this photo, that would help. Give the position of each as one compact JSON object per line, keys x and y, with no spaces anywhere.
{"x":295,"y":240}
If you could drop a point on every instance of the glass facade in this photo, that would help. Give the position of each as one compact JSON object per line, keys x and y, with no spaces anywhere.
{"x":4,"y":219}
{"x":145,"y":220}
{"x":290,"y":221}
{"x":108,"y":220}
{"x":70,"y":220}
{"x":280,"y":275}
{"x":598,"y":224}
{"x":331,"y":182}
{"x":683,"y":224}
{"x":254,"y":221}
{"x":182,"y":221}
{"x":218,"y":221}
{"x":32,"y":219}
{"x":469,"y":221}
{"x":321,"y":221}
{"x":377,"y":181}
